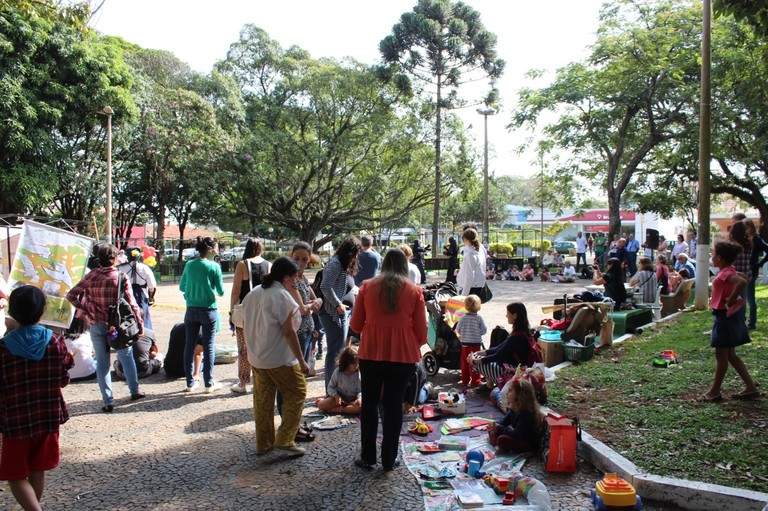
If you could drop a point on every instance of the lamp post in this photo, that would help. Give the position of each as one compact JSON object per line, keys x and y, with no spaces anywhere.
{"x":108,"y":112}
{"x":485,"y":112}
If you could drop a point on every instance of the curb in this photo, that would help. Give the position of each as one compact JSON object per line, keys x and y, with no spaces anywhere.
{"x":686,"y":494}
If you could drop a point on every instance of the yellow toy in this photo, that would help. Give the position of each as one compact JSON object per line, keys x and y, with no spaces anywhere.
{"x":613,"y":491}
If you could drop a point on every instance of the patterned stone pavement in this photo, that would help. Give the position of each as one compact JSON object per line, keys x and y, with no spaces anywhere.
{"x":179,"y":451}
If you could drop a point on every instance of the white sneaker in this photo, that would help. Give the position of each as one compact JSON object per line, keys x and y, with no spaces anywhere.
{"x":213,"y":388}
{"x":240,"y":389}
{"x":194,"y":386}
{"x":291,"y":450}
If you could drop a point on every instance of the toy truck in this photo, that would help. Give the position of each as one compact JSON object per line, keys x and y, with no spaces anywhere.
{"x":614,"y":492}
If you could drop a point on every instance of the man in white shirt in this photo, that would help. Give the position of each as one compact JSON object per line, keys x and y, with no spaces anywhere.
{"x":581,"y":250}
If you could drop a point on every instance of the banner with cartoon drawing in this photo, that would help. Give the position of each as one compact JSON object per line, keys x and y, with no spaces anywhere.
{"x":53,"y":260}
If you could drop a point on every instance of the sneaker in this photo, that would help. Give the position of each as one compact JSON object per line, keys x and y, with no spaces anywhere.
{"x":192,"y":388}
{"x":137,"y":396}
{"x":292,"y":450}
{"x":239,"y":389}
{"x":318,"y":355}
{"x":213,"y":388}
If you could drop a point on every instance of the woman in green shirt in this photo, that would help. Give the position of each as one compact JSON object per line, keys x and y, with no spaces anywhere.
{"x":200,"y":283}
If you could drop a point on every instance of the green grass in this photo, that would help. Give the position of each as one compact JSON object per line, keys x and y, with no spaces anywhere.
{"x":651,"y":416}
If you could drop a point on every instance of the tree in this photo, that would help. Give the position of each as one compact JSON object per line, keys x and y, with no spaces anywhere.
{"x":326,"y":148}
{"x":633,"y":94}
{"x":754,"y":12}
{"x":436,"y":43}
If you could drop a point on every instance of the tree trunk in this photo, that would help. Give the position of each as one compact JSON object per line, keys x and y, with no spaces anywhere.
{"x":438,"y":176}
{"x":614,"y":212}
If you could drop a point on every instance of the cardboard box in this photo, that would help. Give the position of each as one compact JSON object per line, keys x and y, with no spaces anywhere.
{"x":552,"y":352}
{"x":451,"y":403}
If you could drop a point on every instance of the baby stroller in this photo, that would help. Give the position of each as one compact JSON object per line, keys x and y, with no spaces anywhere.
{"x":443,"y":342}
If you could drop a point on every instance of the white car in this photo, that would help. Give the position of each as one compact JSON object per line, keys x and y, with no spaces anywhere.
{"x":233,"y":254}
{"x":171,"y":252}
{"x":189,"y":253}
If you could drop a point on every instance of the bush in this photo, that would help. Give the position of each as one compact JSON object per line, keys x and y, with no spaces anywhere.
{"x":502,"y":248}
{"x":271,"y":255}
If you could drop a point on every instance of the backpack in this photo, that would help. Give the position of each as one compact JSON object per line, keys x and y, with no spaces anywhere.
{"x":534,"y":354}
{"x":498,"y":335}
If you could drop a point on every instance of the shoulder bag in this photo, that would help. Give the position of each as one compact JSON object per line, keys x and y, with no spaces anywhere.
{"x":238,"y":314}
{"x":123,"y":323}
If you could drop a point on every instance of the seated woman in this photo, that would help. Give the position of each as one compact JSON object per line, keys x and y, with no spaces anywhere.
{"x":522,"y":428}
{"x":514,"y":351}
{"x":645,"y":280}
{"x":662,"y":273}
{"x":613,"y":280}
{"x":676,"y":278}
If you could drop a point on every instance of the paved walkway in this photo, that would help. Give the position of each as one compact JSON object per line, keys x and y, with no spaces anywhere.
{"x":180,"y":451}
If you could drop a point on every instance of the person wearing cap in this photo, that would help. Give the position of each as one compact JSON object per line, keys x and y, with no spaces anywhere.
{"x":34,"y":365}
{"x":94,"y":295}
{"x":684,"y":262}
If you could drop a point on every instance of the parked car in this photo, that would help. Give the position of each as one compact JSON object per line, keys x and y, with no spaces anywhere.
{"x":189,"y":253}
{"x":564,"y":247}
{"x":233,"y":254}
{"x":171,"y":252}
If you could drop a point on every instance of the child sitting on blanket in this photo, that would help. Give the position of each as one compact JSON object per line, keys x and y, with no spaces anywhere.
{"x":344,"y":389}
{"x":522,"y":428}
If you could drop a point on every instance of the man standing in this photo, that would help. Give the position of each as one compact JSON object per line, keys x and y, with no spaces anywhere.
{"x":600,"y":248}
{"x":368,"y":262}
{"x":418,"y":258}
{"x":581,"y":250}
{"x":633,"y":247}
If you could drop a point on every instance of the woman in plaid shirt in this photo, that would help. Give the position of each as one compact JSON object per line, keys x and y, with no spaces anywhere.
{"x":34,"y":364}
{"x":94,"y":295}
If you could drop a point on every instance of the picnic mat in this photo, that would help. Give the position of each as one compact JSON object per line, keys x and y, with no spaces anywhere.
{"x":441,"y":473}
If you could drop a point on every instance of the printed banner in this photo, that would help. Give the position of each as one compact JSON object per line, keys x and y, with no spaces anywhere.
{"x":53,"y":260}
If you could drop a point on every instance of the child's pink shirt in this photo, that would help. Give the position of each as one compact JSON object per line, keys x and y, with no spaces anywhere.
{"x":721,"y":288}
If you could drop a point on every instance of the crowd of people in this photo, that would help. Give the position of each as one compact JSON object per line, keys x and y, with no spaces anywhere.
{"x":359,"y":295}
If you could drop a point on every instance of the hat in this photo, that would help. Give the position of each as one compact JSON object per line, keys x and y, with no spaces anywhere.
{"x":26,"y":305}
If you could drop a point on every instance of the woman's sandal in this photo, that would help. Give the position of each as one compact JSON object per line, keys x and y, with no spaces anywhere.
{"x":304,"y":436}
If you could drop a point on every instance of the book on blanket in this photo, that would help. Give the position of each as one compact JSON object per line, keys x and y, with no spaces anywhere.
{"x":453,"y":442}
{"x":469,"y":499}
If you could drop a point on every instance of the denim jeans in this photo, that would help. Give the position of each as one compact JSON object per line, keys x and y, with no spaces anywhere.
{"x":335,"y":337}
{"x":104,"y":364}
{"x":751,"y":301}
{"x":195,"y":320}
{"x":305,"y":342}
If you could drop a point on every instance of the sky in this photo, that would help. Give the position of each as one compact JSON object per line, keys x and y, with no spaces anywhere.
{"x":542,"y":34}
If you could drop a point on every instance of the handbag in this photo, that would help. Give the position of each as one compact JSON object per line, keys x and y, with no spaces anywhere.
{"x":123,"y":325}
{"x":484,"y":293}
{"x":238,"y":313}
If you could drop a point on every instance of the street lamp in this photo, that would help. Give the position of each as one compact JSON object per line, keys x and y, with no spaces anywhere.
{"x":485,"y":112}
{"x":107,"y":110}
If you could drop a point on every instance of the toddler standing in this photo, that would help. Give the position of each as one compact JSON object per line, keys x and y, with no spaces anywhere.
{"x":729,"y":329}
{"x":34,"y":364}
{"x":470,"y":329}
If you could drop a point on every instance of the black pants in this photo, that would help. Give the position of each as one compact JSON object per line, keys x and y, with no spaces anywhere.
{"x":383,"y":382}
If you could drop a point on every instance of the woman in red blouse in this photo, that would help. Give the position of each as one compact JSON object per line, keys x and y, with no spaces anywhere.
{"x":389,"y":313}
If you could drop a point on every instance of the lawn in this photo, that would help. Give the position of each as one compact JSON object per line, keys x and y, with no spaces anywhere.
{"x":651,"y":416}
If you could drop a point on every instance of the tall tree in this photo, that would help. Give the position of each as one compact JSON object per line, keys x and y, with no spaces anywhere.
{"x":754,"y":12}
{"x":631,"y":95}
{"x":441,"y":43}
{"x":326,"y":148}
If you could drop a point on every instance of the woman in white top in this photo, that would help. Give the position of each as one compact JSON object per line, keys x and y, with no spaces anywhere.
{"x":272,"y":318}
{"x":471,"y":277}
{"x":248,"y":274}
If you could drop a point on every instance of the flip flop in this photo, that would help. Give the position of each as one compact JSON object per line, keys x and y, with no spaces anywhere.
{"x":304,"y":436}
{"x":746,"y":395}
{"x":714,"y":399}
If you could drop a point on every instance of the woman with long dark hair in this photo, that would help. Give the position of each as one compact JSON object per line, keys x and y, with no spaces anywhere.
{"x":338,"y":279}
{"x":515,"y":350}
{"x":613,"y":280}
{"x":739,"y":234}
{"x":249,"y":273}
{"x":272,"y":318}
{"x":759,"y":246}
{"x":200,"y":282}
{"x":390,"y":314}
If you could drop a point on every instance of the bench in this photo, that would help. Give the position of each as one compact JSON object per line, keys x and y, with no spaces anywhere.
{"x":629,"y":320}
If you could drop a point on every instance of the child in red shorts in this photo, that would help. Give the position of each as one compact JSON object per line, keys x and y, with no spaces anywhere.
{"x":34,"y":364}
{"x":470,"y":329}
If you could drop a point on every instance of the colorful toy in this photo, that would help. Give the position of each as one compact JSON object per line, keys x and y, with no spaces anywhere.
{"x":665,"y":359}
{"x":509,"y":498}
{"x":613,"y":491}
{"x":419,"y":427}
{"x":499,"y":484}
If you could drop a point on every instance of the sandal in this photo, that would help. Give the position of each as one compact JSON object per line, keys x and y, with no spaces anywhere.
{"x":304,"y":436}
